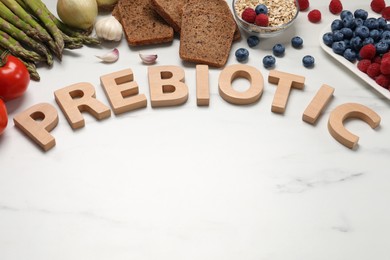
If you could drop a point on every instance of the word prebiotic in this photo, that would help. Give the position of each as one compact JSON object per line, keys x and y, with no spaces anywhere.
{"x":167,"y":88}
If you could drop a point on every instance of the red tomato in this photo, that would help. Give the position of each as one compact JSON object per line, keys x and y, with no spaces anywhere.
{"x":3,"y":116}
{"x":14,"y":78}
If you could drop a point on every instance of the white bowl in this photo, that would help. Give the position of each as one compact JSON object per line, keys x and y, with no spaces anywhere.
{"x":264,"y":32}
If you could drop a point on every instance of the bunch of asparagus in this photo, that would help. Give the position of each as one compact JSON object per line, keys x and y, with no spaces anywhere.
{"x":29,"y":31}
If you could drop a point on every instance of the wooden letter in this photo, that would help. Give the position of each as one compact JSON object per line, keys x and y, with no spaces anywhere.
{"x":167,"y":87}
{"x":346,"y":111}
{"x":285,"y":81}
{"x":318,"y":103}
{"x":233,"y":72}
{"x":202,"y":85}
{"x":122,"y":91}
{"x":78,"y":98}
{"x":36,"y":122}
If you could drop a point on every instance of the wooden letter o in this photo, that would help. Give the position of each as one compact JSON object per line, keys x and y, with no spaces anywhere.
{"x":233,"y":72}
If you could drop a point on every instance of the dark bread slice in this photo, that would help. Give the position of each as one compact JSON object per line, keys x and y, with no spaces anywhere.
{"x":115,"y":13}
{"x":216,"y":6}
{"x":171,"y":11}
{"x":141,"y":24}
{"x":205,"y":38}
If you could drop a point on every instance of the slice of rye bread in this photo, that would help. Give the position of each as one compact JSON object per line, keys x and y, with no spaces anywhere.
{"x":205,"y":38}
{"x":218,"y":7}
{"x":115,"y":13}
{"x":171,"y":11}
{"x":141,"y":24}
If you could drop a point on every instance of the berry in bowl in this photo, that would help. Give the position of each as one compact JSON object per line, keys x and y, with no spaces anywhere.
{"x":265,"y":18}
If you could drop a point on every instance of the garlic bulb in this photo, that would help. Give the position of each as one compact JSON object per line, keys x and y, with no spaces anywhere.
{"x":109,"y":28}
{"x":80,"y":14}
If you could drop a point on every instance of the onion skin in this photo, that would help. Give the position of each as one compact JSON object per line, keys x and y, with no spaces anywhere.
{"x":80,"y":14}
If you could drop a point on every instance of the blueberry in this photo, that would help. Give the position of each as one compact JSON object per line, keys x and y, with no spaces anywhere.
{"x":371,"y":23}
{"x":347,"y":33}
{"x":358,"y":22}
{"x":261,"y":9}
{"x":269,"y":61}
{"x":381,"y":47}
{"x":360,"y":13}
{"x":327,"y":38}
{"x":308,"y":61}
{"x":375,"y":34}
{"x":356,"y":43}
{"x":242,"y":54}
{"x":338,"y":36}
{"x":278,"y":50}
{"x":349,"y":22}
{"x":346,"y":13}
{"x":253,"y":41}
{"x":382,"y":23}
{"x":362,"y":31}
{"x":339,"y":47}
{"x":368,"y":40}
{"x":350,"y":55}
{"x":296,"y":42}
{"x":337,"y":25}
{"x":385,"y":37}
{"x":347,"y":44}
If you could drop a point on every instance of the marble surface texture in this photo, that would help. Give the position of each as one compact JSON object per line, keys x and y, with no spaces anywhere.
{"x":220,"y":182}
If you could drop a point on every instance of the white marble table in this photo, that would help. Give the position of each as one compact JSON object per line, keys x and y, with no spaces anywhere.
{"x":218,"y":182}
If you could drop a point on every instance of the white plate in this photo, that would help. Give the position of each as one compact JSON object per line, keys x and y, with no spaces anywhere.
{"x":352,"y":66}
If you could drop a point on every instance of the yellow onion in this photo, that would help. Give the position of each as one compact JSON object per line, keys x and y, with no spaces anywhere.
{"x":80,"y":14}
{"x":106,"y":5}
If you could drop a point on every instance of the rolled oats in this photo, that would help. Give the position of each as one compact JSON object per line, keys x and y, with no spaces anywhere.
{"x":279,"y":11}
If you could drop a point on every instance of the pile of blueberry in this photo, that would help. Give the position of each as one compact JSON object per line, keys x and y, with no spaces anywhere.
{"x":355,"y":36}
{"x":354,"y":30}
{"x":278,"y":50}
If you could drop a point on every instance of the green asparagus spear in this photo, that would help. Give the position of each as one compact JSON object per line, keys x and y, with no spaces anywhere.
{"x":35,"y":7}
{"x":19,"y":35}
{"x":9,"y":16}
{"x":25,"y":7}
{"x":22,"y":14}
{"x":32,"y":69}
{"x":9,"y":43}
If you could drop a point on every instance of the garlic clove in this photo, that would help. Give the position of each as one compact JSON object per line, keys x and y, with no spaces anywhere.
{"x":148,"y":58}
{"x":109,"y":57}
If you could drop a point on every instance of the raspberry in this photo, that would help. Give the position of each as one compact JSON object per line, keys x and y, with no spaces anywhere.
{"x":367,"y":51}
{"x":386,"y":55}
{"x":335,"y":6}
{"x":386,"y":13}
{"x":261,"y":20}
{"x":385,"y":66}
{"x":383,"y":81}
{"x":378,"y":5}
{"x":314,"y":16}
{"x":377,"y":59}
{"x":248,"y":15}
{"x":363,"y":65}
{"x":303,"y":4}
{"x":373,"y":70}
